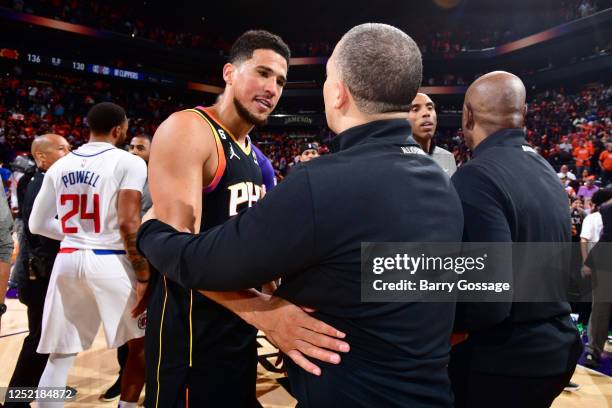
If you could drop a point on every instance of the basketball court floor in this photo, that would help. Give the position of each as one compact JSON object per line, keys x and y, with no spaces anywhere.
{"x":96,"y":369}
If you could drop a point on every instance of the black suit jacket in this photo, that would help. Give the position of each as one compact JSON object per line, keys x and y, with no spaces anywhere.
{"x":510,"y":193}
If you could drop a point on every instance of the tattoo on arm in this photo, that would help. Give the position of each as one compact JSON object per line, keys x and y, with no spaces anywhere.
{"x":139,"y":263}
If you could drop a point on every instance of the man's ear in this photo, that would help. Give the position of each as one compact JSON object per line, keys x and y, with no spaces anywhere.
{"x":469,"y":116}
{"x":39,"y":158}
{"x":342,"y":95}
{"x":116,"y":132}
{"x":228,"y":73}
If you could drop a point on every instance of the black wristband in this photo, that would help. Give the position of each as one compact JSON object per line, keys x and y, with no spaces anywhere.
{"x":142,"y":280}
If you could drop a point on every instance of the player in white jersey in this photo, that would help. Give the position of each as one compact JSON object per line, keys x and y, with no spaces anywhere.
{"x":96,"y":193}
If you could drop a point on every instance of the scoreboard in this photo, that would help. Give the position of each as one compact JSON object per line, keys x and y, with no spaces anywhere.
{"x":34,"y":58}
{"x":59,"y":62}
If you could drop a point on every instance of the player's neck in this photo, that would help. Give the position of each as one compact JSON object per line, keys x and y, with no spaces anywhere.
{"x":425,"y":142}
{"x":226,"y":113}
{"x":100,"y":139}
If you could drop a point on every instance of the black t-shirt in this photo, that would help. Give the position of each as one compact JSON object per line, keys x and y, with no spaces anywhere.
{"x":577,"y":217}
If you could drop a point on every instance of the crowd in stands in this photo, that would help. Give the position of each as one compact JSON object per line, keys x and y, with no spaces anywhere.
{"x":568,"y":129}
{"x":574,"y":133}
{"x":284,"y":148}
{"x":494,"y":30}
{"x":572,"y":129}
{"x":127,"y":18}
{"x":59,"y":105}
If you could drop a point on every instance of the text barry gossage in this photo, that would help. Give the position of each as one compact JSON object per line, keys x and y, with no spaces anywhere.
{"x":416,"y":264}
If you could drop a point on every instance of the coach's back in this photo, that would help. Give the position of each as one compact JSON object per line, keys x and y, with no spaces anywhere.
{"x":380,"y":187}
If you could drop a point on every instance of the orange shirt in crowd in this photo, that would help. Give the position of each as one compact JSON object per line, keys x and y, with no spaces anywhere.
{"x":589,"y":145}
{"x":606,"y":160}
{"x":582,"y":156}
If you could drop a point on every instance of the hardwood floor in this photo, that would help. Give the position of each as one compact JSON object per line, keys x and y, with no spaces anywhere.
{"x":96,"y":369}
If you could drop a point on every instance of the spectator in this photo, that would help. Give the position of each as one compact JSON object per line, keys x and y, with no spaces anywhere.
{"x":571,"y":193}
{"x":605,"y":163}
{"x":565,"y":172}
{"x":577,"y":215}
{"x":582,"y":156}
{"x":588,"y":189}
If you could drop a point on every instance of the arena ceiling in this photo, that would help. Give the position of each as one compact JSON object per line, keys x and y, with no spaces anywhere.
{"x":294,"y":18}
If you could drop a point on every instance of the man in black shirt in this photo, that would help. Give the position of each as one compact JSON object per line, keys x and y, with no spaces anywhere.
{"x":517,"y":354}
{"x":378,"y":186}
{"x":41,"y":251}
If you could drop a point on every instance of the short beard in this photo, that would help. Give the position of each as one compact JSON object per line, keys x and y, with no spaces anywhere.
{"x":248,"y":116}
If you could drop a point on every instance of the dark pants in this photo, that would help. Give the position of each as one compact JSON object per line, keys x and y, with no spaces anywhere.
{"x":478,"y":390}
{"x":30,"y":364}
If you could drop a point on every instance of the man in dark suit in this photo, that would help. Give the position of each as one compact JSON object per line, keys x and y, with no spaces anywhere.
{"x":517,"y":354}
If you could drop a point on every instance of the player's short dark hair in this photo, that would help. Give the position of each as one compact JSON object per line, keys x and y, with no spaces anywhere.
{"x":144,"y":136}
{"x":382,"y":67}
{"x":252,"y":40}
{"x":103,"y":117}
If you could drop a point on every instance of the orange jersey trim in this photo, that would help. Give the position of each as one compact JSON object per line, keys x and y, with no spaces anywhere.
{"x":221,"y":164}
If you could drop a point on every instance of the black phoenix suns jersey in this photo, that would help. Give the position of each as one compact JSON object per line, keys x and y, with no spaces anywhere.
{"x":197,"y":351}
{"x":237,"y":184}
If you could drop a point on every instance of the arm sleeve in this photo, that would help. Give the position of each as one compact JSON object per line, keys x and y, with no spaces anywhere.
{"x":42,"y":218}
{"x":134,"y":173}
{"x":267,"y":174}
{"x":485,"y":221}
{"x":273,"y":239}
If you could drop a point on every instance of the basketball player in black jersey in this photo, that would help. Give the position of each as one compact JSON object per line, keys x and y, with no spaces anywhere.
{"x":200,"y":347}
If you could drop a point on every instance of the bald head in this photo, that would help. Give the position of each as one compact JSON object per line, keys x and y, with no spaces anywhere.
{"x":495,"y":101}
{"x":47,"y":149}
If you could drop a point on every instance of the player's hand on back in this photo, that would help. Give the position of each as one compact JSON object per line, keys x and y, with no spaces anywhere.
{"x":299,"y":335}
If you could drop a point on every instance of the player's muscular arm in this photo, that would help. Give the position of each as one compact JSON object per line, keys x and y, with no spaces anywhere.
{"x":183,"y":145}
{"x":128,"y":213}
